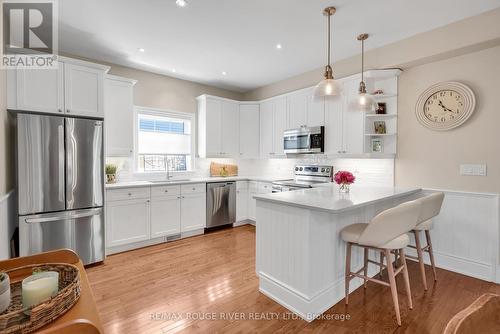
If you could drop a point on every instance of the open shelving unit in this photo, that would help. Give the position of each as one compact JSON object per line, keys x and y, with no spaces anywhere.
{"x":387,"y":81}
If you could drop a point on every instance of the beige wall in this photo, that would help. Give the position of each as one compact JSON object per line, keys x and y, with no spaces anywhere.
{"x":431,"y":159}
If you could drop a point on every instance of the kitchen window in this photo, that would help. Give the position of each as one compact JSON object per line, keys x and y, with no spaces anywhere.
{"x":163,"y":140}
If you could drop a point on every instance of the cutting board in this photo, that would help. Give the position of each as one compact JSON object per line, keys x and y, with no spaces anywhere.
{"x":217,"y":169}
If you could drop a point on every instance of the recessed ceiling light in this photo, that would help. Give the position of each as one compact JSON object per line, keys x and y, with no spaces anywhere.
{"x":279,"y":46}
{"x":174,"y":70}
{"x":181,"y":3}
{"x":224,"y":73}
{"x":141,"y":50}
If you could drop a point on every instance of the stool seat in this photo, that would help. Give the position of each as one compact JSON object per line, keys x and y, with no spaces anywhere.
{"x":424,"y":226}
{"x":352,"y":233}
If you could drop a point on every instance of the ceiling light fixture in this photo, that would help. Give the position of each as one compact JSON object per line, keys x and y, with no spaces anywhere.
{"x":328,"y":87}
{"x":224,"y":73}
{"x":174,"y":70}
{"x":181,"y":3}
{"x":279,"y":46}
{"x":363,"y":102}
{"x":141,"y":50}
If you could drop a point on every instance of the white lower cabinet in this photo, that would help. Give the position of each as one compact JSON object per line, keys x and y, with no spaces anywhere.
{"x":241,"y":200}
{"x":127,"y":221}
{"x":137,"y":217}
{"x":193,"y":212}
{"x":165,"y":216}
{"x":256,"y":188}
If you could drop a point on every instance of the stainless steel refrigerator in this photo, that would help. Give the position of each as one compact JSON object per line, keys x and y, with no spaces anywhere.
{"x":60,"y":185}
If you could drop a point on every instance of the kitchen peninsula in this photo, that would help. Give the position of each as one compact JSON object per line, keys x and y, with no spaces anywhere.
{"x":300,"y":256}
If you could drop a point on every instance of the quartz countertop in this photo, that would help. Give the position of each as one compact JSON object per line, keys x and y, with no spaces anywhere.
{"x":133,"y":184}
{"x":328,"y":198}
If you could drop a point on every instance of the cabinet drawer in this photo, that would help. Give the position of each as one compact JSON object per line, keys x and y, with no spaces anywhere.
{"x":127,"y":193}
{"x":193,"y":188}
{"x":265,"y":187}
{"x":241,"y":184}
{"x":162,"y":191}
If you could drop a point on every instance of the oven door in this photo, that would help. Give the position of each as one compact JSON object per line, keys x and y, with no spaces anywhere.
{"x":297,"y":141}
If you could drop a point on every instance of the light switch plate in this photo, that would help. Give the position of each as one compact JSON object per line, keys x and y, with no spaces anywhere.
{"x":473,"y":170}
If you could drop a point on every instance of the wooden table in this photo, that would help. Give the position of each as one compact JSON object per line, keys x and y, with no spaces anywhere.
{"x":82,"y":318}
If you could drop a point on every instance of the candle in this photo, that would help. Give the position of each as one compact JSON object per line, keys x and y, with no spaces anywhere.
{"x":39,"y":287}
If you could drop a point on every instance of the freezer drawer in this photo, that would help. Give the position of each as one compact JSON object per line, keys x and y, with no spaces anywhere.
{"x":79,"y":230}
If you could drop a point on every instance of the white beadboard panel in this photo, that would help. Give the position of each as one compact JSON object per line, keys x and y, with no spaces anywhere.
{"x":465,"y":236}
{"x":301,"y":258}
{"x":8,"y":223}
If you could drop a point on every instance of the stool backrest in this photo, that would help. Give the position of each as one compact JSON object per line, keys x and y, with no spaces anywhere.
{"x":431,"y":206}
{"x":391,"y":223}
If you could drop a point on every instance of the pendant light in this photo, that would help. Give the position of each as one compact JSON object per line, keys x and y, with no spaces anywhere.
{"x":363,"y":102}
{"x":329,"y":87}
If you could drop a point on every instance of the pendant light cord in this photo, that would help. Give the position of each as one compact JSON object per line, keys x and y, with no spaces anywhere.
{"x":362,"y":60}
{"x":329,"y":39}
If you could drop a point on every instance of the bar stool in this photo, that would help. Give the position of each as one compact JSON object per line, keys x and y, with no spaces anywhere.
{"x":431,"y":206}
{"x":386,"y":232}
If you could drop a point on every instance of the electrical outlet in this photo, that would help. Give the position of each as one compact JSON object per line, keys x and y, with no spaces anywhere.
{"x":473,"y":170}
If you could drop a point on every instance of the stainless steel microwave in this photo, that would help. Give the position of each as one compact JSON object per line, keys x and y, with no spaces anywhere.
{"x":304,"y":140}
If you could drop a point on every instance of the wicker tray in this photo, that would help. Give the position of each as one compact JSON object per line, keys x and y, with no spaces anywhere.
{"x":15,"y":319}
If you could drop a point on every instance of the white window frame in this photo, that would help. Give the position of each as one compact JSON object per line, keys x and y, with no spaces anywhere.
{"x":164,"y":113}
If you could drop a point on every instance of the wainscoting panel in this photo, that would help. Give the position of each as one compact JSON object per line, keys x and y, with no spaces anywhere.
{"x":465,"y":236}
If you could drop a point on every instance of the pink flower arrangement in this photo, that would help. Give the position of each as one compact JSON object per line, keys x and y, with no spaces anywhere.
{"x":344,"y":177}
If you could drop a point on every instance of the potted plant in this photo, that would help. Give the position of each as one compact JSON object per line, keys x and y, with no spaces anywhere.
{"x":344,"y":179}
{"x":111,"y":173}
{"x":4,"y":291}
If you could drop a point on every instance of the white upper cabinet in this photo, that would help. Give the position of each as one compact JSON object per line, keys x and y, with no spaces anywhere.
{"x":40,"y":90}
{"x":230,"y":129}
{"x":75,"y":87}
{"x":334,"y":126}
{"x":297,"y":109}
{"x":218,"y":127}
{"x":83,"y":90}
{"x":119,"y":112}
{"x":304,"y":110}
{"x":267,"y":129}
{"x":249,"y":131}
{"x":273,"y":122}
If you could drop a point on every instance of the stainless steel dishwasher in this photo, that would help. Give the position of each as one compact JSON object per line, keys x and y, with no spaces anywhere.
{"x":221,"y":204}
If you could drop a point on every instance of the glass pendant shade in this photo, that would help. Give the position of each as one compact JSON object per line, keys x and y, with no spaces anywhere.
{"x":327,"y":88}
{"x":364,"y":102}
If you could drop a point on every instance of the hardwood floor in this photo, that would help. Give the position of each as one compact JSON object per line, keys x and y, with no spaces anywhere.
{"x":137,"y":292}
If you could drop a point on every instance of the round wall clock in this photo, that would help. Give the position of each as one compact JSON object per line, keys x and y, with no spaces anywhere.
{"x":445,"y":106}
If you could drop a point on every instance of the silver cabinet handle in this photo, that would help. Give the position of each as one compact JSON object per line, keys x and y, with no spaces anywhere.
{"x":194,"y":188}
{"x":60,"y":110}
{"x":130,"y":194}
{"x":166,"y":190}
{"x":178,"y":197}
{"x":68,"y":111}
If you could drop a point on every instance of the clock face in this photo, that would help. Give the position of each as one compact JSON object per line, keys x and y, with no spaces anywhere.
{"x":445,"y":106}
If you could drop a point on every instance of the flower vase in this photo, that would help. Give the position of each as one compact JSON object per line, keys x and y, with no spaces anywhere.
{"x":344,"y":188}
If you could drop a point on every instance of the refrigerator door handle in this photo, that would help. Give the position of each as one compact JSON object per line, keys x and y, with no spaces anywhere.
{"x":60,"y":133}
{"x":83,"y":214}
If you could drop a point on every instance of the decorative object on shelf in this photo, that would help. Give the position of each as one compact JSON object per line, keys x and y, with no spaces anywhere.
{"x":4,"y":291}
{"x":39,"y":287}
{"x":363,"y":101}
{"x":381,"y":108}
{"x":224,"y":170}
{"x":445,"y":106}
{"x":378,"y":92}
{"x":344,"y":179}
{"x":377,"y":145}
{"x":379,"y":127}
{"x":329,"y":86}
{"x":111,"y":173}
{"x":20,"y":319}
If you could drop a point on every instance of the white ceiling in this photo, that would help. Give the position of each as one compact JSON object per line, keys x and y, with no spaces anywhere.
{"x":208,"y":37}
